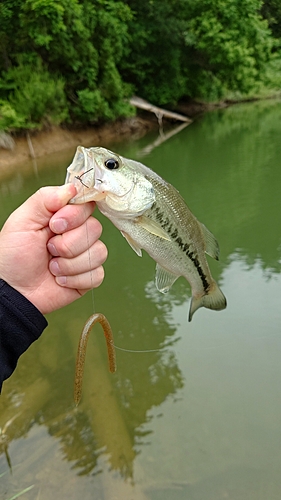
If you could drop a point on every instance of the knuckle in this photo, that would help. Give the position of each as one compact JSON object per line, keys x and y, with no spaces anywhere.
{"x":69,"y":250}
{"x":95,"y":227}
{"x":100,"y":251}
{"x":99,"y":276}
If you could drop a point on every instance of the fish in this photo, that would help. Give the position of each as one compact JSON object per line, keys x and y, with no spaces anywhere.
{"x":152,"y":216}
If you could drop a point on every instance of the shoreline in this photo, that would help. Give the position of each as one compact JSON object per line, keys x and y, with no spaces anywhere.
{"x":35,"y":145}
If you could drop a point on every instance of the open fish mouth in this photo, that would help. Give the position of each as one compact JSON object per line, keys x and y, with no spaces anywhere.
{"x":81,"y":173}
{"x":79,"y":165}
{"x":91,"y":185}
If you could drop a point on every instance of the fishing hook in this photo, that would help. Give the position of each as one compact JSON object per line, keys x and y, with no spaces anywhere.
{"x":79,"y":177}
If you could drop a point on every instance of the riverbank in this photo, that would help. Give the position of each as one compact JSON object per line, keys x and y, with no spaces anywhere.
{"x":56,"y":139}
{"x":37,"y":144}
{"x":32,"y":145}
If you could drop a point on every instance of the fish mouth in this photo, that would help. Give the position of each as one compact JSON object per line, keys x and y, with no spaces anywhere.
{"x":84,"y":192}
{"x":81,"y":174}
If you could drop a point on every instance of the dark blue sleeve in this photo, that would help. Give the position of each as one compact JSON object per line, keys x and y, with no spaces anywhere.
{"x":21,"y":323}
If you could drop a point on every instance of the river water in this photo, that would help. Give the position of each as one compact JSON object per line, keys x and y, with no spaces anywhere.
{"x":198,"y":417}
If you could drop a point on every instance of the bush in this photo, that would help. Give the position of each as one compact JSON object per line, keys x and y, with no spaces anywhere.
{"x":31,"y":97}
{"x":9,"y":118}
{"x":196,"y":48}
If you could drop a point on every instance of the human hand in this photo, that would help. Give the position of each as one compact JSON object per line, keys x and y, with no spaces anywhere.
{"x":50,"y":251}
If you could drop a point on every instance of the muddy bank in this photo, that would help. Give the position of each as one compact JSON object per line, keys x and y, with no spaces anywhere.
{"x":57,"y":139}
{"x":38,"y":144}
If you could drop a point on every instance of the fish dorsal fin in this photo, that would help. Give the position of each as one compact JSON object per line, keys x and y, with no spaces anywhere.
{"x":132,"y":244}
{"x":212,"y":246}
{"x":164,"y":279}
{"x":152,"y":227}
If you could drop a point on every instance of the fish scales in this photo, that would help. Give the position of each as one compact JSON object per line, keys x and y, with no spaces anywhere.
{"x":171,"y":212}
{"x":152,"y":215}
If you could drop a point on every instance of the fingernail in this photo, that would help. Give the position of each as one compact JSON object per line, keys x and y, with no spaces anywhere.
{"x":52,"y":250}
{"x":61,"y":280}
{"x":54,"y":268}
{"x":59,"y":225}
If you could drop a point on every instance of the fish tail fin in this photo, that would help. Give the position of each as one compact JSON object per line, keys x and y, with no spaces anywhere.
{"x":213,"y":299}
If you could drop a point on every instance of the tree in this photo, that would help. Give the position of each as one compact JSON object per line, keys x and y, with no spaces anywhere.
{"x":90,"y":55}
{"x":228,"y":44}
{"x":271,"y":10}
{"x":200,"y":48}
{"x":79,"y":43}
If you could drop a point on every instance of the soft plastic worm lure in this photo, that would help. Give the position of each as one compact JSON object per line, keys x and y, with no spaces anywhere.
{"x":81,"y":353}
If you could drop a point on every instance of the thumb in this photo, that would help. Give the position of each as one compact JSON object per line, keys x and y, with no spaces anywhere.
{"x":55,"y":197}
{"x":36,"y":211}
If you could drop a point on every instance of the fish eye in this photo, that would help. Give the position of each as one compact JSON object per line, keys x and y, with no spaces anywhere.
{"x":111,"y":164}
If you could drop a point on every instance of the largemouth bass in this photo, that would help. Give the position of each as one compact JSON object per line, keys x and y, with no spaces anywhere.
{"x":151,"y":215}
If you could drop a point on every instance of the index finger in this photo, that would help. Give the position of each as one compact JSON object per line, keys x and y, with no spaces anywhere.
{"x":70,"y":216}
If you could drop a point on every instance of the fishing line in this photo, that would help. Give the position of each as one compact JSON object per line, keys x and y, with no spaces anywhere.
{"x":79,"y":177}
{"x":87,"y":238}
{"x":90,"y":264}
{"x":136,"y":351}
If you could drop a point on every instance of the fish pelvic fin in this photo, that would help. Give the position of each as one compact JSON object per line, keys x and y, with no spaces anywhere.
{"x":214,"y":299}
{"x":164,"y":279}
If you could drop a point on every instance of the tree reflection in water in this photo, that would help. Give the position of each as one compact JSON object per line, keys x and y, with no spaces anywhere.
{"x":227,"y":167}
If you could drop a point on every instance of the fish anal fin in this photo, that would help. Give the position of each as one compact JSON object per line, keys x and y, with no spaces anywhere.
{"x":214,"y":300}
{"x":212,"y":246}
{"x":152,"y":227}
{"x":132,"y":244}
{"x":164,"y":279}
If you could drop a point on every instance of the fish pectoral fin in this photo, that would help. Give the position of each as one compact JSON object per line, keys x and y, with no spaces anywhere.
{"x":152,"y":227}
{"x":164,"y":279}
{"x":132,"y":244}
{"x":212,"y":246}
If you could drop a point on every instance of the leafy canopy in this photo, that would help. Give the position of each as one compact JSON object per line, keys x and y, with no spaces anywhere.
{"x":79,"y":60}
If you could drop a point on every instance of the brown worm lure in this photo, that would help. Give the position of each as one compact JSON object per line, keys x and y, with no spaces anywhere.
{"x":81,"y":353}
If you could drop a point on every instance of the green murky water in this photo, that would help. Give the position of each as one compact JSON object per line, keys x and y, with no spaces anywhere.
{"x":199,"y":418}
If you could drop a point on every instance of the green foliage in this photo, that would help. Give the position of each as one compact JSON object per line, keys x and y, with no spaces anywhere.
{"x":33,"y":98}
{"x":82,"y":41}
{"x":272,"y":79}
{"x":9,"y":120}
{"x":230,"y":41}
{"x":79,"y":60}
{"x":271,"y":10}
{"x":155,"y":63}
{"x":200,"y":48}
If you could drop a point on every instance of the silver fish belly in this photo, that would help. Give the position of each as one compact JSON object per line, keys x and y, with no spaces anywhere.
{"x":151,"y":215}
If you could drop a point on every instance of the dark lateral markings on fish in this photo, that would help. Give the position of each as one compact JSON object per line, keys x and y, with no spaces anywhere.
{"x":151,"y":214}
{"x":183,"y":246}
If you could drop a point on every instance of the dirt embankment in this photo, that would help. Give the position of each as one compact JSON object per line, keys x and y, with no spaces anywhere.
{"x":55,"y":139}
{"x":38,"y":144}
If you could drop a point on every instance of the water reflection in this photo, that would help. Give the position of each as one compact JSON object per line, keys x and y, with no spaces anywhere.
{"x":113,"y":407}
{"x":199,"y":416}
